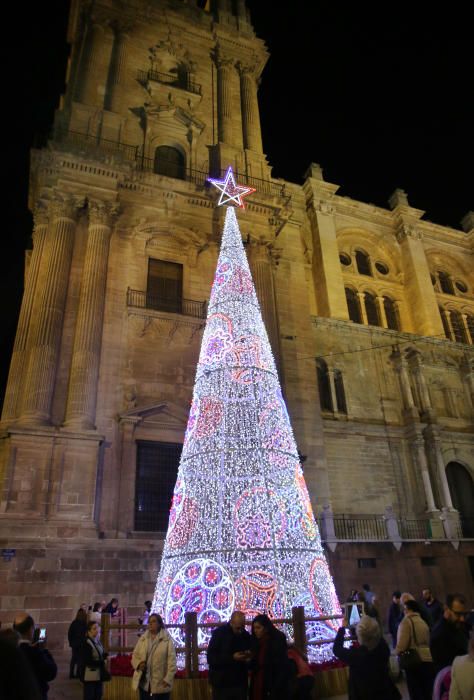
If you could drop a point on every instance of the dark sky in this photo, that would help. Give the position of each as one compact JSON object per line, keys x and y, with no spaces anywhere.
{"x":379,"y":100}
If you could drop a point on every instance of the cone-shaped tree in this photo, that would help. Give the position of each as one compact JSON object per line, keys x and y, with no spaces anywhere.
{"x":241,"y":533}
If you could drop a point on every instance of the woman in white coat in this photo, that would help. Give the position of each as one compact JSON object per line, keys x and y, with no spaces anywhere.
{"x":155,"y":658}
{"x":462,"y":675}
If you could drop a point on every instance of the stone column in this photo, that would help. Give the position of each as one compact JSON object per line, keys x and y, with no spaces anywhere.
{"x":20,"y":349}
{"x":118,"y":63}
{"x":433,"y":441}
{"x":48,"y":311}
{"x":447,"y":315}
{"x":363,"y":312}
{"x":262,"y":273}
{"x":224,"y":99}
{"x":422,"y":464}
{"x":467,"y":375}
{"x":94,"y":62}
{"x":416,"y":364}
{"x":381,"y":309}
{"x":332,"y":388}
{"x":82,"y":395}
{"x":469,"y":337}
{"x":251,"y":131}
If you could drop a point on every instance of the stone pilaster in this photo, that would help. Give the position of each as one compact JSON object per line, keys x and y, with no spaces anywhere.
{"x":48,"y":311}
{"x":82,"y":395}
{"x":381,"y":310}
{"x":467,"y":375}
{"x":118,"y":62}
{"x":252,"y":135}
{"x":416,"y":365}
{"x":327,"y":275}
{"x":401,"y":368}
{"x":94,"y":64}
{"x":433,"y":442}
{"x":262,"y":273}
{"x":418,"y":446}
{"x":225,"y":68}
{"x":20,"y":350}
{"x":418,"y":286}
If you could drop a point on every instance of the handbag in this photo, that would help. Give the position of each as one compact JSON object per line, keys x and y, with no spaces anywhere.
{"x":410,"y":658}
{"x":105,"y":675}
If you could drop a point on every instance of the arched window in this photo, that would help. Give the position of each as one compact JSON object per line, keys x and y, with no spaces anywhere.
{"x":446,"y":328}
{"x":391,"y":314}
{"x":445,"y":282}
{"x":353,"y":305}
{"x":325,"y":398}
{"x":363,"y":263}
{"x":461,"y":487}
{"x":340,"y":393}
{"x":459,"y":330}
{"x":169,"y":161}
{"x":371,"y":310}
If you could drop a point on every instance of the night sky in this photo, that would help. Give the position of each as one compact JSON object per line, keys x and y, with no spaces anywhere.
{"x":379,"y":100}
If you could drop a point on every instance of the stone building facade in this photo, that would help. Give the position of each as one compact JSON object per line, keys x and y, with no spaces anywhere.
{"x":370,"y":313}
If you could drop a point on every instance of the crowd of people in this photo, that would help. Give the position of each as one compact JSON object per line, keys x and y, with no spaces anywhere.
{"x":434,"y":643}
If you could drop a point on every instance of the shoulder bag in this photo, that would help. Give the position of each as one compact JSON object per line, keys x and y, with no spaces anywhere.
{"x":410,"y":658}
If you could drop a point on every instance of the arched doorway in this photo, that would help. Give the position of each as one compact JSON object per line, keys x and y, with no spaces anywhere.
{"x":461,"y":486}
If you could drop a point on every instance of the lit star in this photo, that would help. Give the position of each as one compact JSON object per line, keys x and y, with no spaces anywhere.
{"x":230,"y":191}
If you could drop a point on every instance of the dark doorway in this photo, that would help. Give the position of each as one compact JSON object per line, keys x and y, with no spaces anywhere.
{"x":461,"y":487}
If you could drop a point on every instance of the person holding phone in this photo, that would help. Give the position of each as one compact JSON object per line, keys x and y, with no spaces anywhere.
{"x":228,"y":654}
{"x":40,"y":660}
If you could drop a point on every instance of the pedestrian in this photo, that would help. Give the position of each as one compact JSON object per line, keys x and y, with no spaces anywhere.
{"x":369,"y":677}
{"x":228,"y":655}
{"x":39,"y":658}
{"x":414,"y":633}
{"x":154,"y":657}
{"x":96,"y":613}
{"x":462,"y":675}
{"x":449,"y":637}
{"x":369,"y":595}
{"x":303,"y":682}
{"x":270,"y":664}
{"x":76,"y":635}
{"x":432,"y":606}
{"x":93,"y":671}
{"x":395,"y":616}
{"x":143,"y":620}
{"x":112,"y":608}
{"x":17,"y":680}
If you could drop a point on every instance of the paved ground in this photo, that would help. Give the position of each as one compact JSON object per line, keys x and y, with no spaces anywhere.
{"x":64,"y":689}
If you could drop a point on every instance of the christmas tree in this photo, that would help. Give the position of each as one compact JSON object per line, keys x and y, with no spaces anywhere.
{"x":241,"y":533}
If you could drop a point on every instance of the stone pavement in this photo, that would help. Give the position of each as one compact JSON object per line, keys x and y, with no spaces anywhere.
{"x":64,"y":689}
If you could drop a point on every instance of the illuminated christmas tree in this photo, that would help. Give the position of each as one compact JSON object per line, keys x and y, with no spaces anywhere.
{"x":241,"y":533}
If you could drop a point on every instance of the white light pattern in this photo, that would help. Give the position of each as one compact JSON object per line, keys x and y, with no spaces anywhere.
{"x":242,"y":533}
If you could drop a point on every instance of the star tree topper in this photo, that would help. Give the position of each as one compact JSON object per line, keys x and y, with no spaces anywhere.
{"x":230,"y":191}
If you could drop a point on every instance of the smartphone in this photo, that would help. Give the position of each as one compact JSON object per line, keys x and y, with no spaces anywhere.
{"x":40,"y":634}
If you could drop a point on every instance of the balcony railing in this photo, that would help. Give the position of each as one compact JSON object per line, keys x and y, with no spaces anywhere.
{"x":363,"y":527}
{"x":134,"y":154}
{"x":180,"y":81}
{"x":389,"y":527}
{"x":185,"y":307}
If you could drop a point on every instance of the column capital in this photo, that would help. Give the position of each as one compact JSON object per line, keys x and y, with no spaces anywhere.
{"x":65,"y":206}
{"x":405,"y":231}
{"x":222,"y":60}
{"x":247,"y":69}
{"x":40,"y":213}
{"x":102,"y":213}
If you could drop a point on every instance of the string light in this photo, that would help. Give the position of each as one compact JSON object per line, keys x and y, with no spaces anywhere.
{"x":242,"y":533}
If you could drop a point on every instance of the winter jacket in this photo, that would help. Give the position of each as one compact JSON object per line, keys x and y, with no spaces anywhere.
{"x":414,"y":633}
{"x":224,"y":671}
{"x":160,"y":659}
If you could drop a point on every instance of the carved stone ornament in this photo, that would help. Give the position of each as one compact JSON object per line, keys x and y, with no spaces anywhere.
{"x":65,"y":206}
{"x":102,"y":213}
{"x":405,"y":231}
{"x":40,"y":213}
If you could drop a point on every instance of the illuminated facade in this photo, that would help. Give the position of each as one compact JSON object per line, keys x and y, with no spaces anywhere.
{"x":369,"y":313}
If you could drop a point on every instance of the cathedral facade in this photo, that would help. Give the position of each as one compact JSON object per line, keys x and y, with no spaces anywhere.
{"x":369,"y":311}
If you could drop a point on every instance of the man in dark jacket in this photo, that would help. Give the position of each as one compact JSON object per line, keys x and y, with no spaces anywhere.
{"x":40,"y":660}
{"x":449,"y":637}
{"x":228,"y":654}
{"x":432,"y":606}
{"x":395,"y":615}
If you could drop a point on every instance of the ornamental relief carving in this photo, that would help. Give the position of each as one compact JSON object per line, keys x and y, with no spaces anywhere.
{"x":405,"y":231}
